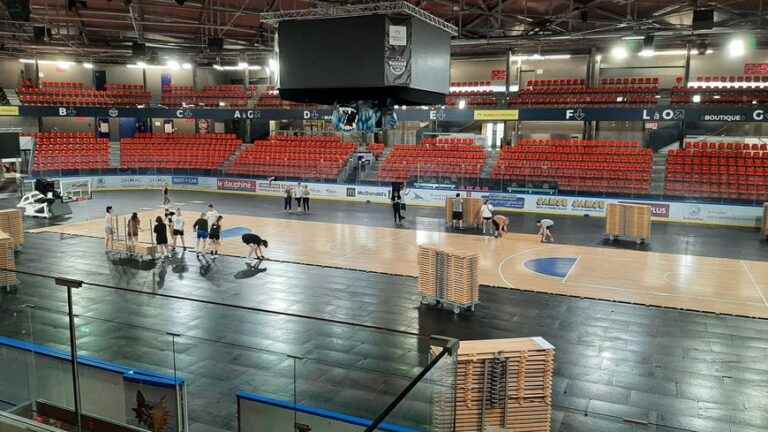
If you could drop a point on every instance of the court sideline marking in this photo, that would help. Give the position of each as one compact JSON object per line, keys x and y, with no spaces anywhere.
{"x":754,"y":282}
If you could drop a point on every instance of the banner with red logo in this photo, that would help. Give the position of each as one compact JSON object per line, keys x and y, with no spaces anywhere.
{"x":498,"y":75}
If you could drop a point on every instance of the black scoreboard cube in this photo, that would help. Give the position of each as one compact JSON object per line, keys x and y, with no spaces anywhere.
{"x":390,"y":59}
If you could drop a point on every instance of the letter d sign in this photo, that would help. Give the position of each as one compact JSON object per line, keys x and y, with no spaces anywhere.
{"x":307,"y":115}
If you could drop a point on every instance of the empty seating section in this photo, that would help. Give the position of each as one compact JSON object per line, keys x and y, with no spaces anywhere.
{"x":443,"y":157}
{"x":75,"y":94}
{"x":474,"y":93}
{"x":575,"y":92}
{"x":70,"y":151}
{"x":177,"y":151}
{"x":719,"y":170}
{"x":579,"y":165}
{"x":209,"y":96}
{"x":315,"y":157}
{"x":741,"y":89}
{"x":377,"y":149}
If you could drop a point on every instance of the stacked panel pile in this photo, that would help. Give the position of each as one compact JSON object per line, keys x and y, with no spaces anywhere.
{"x":7,"y":260}
{"x":504,"y":385}
{"x":448,"y":276}
{"x":628,"y":220}
{"x":471,"y":210}
{"x":11,"y":223}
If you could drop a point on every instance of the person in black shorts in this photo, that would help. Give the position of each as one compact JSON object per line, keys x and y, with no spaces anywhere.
{"x":255,"y":243}
{"x":214,"y":235}
{"x":161,"y":236}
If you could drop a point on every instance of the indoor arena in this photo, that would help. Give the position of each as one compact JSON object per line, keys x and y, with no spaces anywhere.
{"x":407,"y":216}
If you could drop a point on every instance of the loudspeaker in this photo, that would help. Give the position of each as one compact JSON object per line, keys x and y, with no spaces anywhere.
{"x":100,"y":79}
{"x":39,"y":33}
{"x":17,"y":9}
{"x":703,"y":19}
{"x":648,"y":42}
{"x":139,"y":49}
{"x":215,"y":44}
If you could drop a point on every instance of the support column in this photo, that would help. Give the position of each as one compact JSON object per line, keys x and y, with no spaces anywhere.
{"x":36,"y":79}
{"x":247,"y":129}
{"x":507,"y":77}
{"x":687,"y":67}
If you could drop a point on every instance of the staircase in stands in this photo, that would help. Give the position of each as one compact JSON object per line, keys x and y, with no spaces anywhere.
{"x":233,"y":157}
{"x":492,"y":156}
{"x":114,"y":154}
{"x":658,"y":173}
{"x":372,"y":172}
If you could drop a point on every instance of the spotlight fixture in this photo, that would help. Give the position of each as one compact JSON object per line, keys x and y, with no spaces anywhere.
{"x":701,"y":47}
{"x":736,"y":48}
{"x":619,"y":52}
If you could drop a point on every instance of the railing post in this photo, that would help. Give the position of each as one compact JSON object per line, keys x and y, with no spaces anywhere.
{"x":69,"y":284}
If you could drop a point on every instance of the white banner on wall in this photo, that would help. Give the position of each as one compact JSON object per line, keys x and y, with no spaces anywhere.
{"x":737,"y":215}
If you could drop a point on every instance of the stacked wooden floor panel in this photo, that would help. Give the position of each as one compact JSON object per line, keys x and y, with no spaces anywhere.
{"x":471,"y":210}
{"x":504,"y":385}
{"x":449,"y":276}
{"x":628,"y":220}
{"x":7,"y":260}
{"x":12,"y":223}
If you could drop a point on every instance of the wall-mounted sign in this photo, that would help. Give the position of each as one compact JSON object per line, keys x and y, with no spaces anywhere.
{"x":499,"y":75}
{"x":494,"y":115}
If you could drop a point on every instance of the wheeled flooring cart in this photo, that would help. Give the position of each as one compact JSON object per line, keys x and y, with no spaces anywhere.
{"x":471,"y":212}
{"x":629,"y":221}
{"x":500,"y":385}
{"x":448,"y":278}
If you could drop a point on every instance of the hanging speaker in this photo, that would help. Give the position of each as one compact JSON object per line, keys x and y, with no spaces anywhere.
{"x":215,"y":44}
{"x":648,"y":42}
{"x":139,"y":49}
{"x":703,"y":19}
{"x":39,"y":33}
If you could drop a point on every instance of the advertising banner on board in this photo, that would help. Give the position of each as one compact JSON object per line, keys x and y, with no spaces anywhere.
{"x":736,"y":215}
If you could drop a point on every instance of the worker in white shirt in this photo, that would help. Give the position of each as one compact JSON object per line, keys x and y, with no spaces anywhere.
{"x":486,"y":214}
{"x":545,"y":230}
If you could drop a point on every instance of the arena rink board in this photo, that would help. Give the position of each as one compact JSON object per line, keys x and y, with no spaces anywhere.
{"x":517,"y":261}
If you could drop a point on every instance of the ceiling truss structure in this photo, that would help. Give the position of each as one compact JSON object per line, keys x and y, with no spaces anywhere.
{"x":105,"y":30}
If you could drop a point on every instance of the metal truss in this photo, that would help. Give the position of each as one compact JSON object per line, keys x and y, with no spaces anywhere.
{"x":395,"y":7}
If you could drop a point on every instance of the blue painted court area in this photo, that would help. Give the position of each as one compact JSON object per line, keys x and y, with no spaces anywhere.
{"x":234,"y":232}
{"x":554,"y":267}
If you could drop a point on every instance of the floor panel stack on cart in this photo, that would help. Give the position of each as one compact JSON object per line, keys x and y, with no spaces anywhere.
{"x":504,"y":385}
{"x":12,"y":223}
{"x":628,"y":220}
{"x":7,"y":260}
{"x":448,"y":277}
{"x":471,"y":212}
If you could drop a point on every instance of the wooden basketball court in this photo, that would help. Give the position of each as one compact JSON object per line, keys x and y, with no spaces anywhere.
{"x":517,"y":261}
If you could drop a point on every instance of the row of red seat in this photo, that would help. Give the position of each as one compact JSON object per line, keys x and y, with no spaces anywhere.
{"x":562,"y":161}
{"x":318,"y":157}
{"x":195,"y":151}
{"x":745,"y":99}
{"x":454,"y":157}
{"x":471,"y":101}
{"x":600,"y":144}
{"x":69,"y":151}
{"x":582,"y":100}
{"x":703,"y":145}
{"x":722,"y":79}
{"x":580,"y":90}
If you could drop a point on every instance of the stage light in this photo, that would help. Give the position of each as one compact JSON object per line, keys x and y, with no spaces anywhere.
{"x":462,"y":103}
{"x":88,"y":65}
{"x":696,"y":98}
{"x":186,"y":66}
{"x":172,"y":64}
{"x":242,"y":65}
{"x":736,"y":48}
{"x":619,"y":52}
{"x":701,"y":47}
